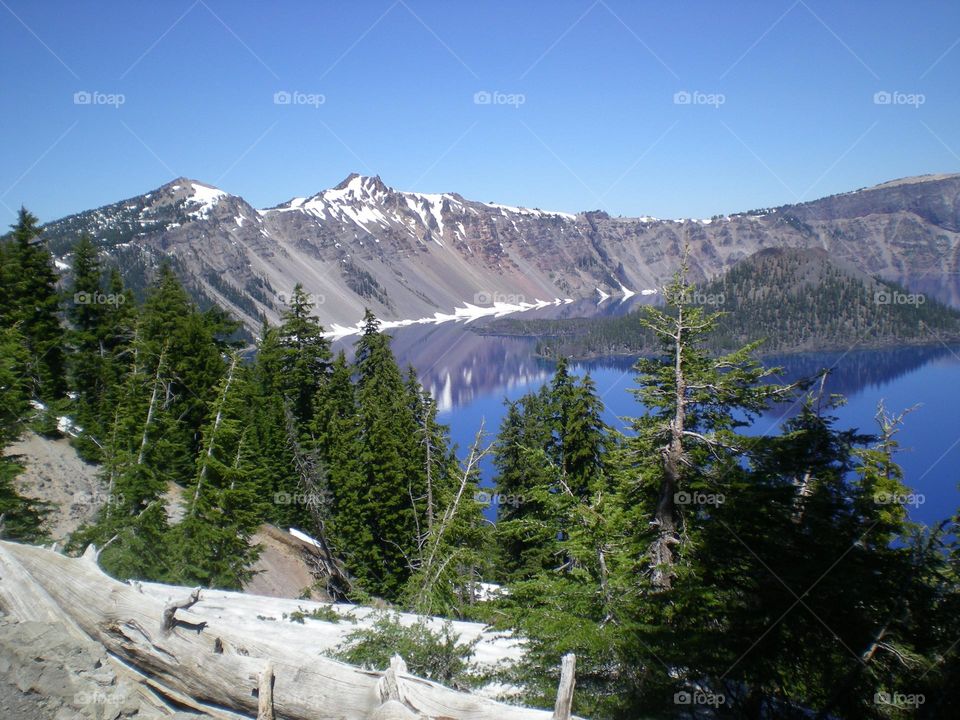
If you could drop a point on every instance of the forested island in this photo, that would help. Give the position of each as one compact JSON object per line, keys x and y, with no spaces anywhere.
{"x":795,"y":300}
{"x":688,"y":565}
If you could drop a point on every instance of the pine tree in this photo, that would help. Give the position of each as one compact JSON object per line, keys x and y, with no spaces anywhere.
{"x":304,"y":357}
{"x":36,"y":305}
{"x":87,"y":358}
{"x":527,"y":477}
{"x":20,"y":518}
{"x":170,"y":324}
{"x":694,"y":404}
{"x":451,"y":548}
{"x":338,"y":431}
{"x":118,"y":328}
{"x":268,"y":434}
{"x":388,"y":450}
{"x":131,"y":528}
{"x":212,"y":545}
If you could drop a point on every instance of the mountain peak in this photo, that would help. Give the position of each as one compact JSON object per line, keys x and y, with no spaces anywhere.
{"x":363,"y":184}
{"x":188,"y":187}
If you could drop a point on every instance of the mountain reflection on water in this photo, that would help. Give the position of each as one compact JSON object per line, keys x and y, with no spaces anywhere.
{"x":471,"y":375}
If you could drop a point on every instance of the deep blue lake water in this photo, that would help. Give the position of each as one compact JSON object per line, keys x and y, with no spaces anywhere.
{"x":471,"y":375}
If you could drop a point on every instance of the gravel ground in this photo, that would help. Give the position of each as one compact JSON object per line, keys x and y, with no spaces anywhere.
{"x":47,"y":674}
{"x":54,"y":472}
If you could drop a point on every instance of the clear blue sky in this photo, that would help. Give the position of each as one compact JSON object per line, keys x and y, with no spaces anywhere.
{"x":598,"y":126}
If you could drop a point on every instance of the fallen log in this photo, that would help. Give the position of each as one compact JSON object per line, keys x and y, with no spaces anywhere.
{"x":184,"y":655}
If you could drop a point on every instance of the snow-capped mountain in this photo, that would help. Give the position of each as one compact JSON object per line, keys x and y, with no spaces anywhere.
{"x":414,"y":255}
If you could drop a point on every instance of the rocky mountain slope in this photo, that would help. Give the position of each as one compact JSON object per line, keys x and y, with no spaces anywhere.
{"x":412,"y":255}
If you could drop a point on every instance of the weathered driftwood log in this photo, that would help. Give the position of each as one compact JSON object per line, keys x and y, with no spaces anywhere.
{"x":568,"y":670}
{"x":393,"y":710}
{"x":210,"y":664}
{"x":389,"y":685}
{"x":265,"y":694}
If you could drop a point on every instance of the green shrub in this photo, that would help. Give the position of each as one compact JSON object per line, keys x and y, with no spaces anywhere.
{"x":325,"y":613}
{"x":431,"y":654}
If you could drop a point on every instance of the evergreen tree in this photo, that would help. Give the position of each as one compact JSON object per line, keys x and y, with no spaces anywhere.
{"x":36,"y":304}
{"x":172,"y":326}
{"x":87,"y":358}
{"x":212,"y":545}
{"x":20,"y":518}
{"x":527,"y":477}
{"x":452,"y":539}
{"x":268,"y":433}
{"x":550,"y":454}
{"x":339,"y":435}
{"x":172,"y":368}
{"x":303,"y":357}
{"x":694,"y":404}
{"x":388,"y":447}
{"x":451,"y":553}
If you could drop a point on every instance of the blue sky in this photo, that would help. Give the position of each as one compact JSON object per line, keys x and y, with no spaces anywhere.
{"x":583,"y":110}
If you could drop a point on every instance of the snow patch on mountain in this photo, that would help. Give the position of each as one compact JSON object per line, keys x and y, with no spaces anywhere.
{"x":206,"y":197}
{"x":466,"y":315}
{"x":532,"y":212}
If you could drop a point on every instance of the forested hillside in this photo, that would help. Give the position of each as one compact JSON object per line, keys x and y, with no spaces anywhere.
{"x":794,"y":300}
{"x":691,"y":567}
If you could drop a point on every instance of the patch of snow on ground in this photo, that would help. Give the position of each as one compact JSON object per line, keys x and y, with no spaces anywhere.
{"x":466,"y":314}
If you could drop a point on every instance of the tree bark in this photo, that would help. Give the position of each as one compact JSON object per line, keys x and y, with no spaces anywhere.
{"x":216,"y":666}
{"x":662,"y":557}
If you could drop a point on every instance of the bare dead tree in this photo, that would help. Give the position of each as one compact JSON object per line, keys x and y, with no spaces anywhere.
{"x":313,"y":480}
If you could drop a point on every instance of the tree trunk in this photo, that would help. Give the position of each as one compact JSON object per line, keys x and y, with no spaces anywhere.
{"x":662,"y":558}
{"x":151,"y":408}
{"x":213,"y":434}
{"x":212,"y":661}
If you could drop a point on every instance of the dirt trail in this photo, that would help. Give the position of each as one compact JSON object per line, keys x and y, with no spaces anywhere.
{"x":54,"y":472}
